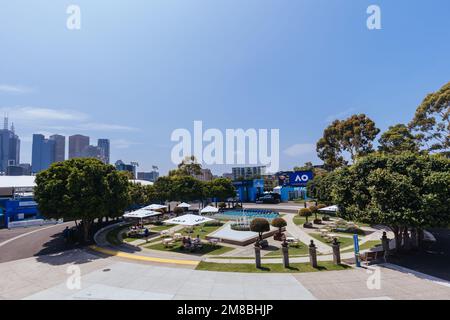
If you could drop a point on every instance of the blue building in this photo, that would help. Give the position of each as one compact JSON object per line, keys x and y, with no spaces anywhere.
{"x":16,"y":200}
{"x":249,"y":190}
{"x":43,"y":153}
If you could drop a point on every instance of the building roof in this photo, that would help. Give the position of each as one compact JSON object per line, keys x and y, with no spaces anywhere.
{"x":17,"y":181}
{"x":142,"y":182}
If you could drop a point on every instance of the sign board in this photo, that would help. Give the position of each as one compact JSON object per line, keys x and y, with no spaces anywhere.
{"x":300,"y":178}
{"x":27,"y":203}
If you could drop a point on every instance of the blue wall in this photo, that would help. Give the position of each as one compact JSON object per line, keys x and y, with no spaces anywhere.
{"x":11,"y":208}
{"x":249,"y":190}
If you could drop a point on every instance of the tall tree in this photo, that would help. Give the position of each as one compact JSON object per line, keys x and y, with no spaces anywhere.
{"x":353,"y":135}
{"x":220,"y":188}
{"x":432,"y":120}
{"x":398,"y":139}
{"x":188,"y":167}
{"x":81,"y":189}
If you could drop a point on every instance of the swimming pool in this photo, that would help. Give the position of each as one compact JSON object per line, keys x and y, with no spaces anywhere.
{"x":250,"y":213}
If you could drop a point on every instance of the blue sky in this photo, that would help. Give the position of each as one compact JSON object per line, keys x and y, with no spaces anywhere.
{"x":139,"y":69}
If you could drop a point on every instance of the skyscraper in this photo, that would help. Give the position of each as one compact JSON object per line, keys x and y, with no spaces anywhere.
{"x":9,"y":147}
{"x":60,"y":147}
{"x":103,"y":144}
{"x":92,"y":152}
{"x":43,"y":153}
{"x":77,"y":144}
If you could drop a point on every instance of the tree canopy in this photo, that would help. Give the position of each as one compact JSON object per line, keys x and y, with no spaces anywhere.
{"x":398,"y":139}
{"x":353,"y":136}
{"x":432,"y":120}
{"x":81,"y":189}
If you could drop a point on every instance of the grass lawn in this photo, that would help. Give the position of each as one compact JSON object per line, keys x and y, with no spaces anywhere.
{"x":266,"y":268}
{"x":159,"y":228}
{"x":178,"y":247}
{"x":367,"y":245}
{"x":112,"y":235}
{"x":345,"y":242}
{"x":293,"y":251}
{"x":200,"y":230}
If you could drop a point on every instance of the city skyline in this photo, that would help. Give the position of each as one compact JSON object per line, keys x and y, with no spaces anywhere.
{"x":267,"y":65}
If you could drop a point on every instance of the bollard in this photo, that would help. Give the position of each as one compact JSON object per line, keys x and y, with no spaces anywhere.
{"x":258,"y":255}
{"x":313,"y":254}
{"x":285,"y":250}
{"x":336,"y":251}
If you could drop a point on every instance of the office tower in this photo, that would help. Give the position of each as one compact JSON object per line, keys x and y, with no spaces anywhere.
{"x":92,"y":152}
{"x":43,"y":153}
{"x":77,"y":143}
{"x":9,"y":147}
{"x":60,"y":147}
{"x":103,"y":144}
{"x":205,"y":175}
{"x":22,"y":169}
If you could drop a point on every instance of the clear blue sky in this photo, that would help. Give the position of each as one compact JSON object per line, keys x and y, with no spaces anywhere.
{"x":137,"y":70}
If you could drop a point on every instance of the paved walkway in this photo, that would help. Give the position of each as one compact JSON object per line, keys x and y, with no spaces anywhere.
{"x":51,"y":277}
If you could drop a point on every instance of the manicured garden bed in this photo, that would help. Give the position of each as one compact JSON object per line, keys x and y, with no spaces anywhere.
{"x":178,"y":247}
{"x":293,"y":251}
{"x":345,"y":242}
{"x":267,"y":268}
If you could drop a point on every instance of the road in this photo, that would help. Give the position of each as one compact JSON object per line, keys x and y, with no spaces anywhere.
{"x":23,"y":243}
{"x":435,"y":261}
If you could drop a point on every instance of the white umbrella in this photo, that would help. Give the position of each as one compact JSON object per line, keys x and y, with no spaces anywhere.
{"x":330,"y":209}
{"x":141,"y":214}
{"x":209,"y":209}
{"x":184,"y":205}
{"x":155,"y":207}
{"x":188,"y":220}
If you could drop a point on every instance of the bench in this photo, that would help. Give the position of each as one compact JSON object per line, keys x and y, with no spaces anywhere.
{"x":370,"y":256}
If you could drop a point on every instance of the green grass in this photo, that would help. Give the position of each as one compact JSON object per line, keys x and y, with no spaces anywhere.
{"x":178,"y":247}
{"x":267,"y":268}
{"x":367,"y":245}
{"x":345,"y":242}
{"x":160,"y":228}
{"x":293,"y":251}
{"x":200,"y":230}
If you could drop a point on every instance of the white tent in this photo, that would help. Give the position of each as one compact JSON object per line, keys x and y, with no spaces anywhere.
{"x":188,"y":220}
{"x":209,"y":209}
{"x":184,"y":205}
{"x":141,"y":214}
{"x":330,"y":209}
{"x":155,"y":207}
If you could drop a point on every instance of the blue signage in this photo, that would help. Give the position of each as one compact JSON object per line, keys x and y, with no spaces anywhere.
{"x":300,"y":178}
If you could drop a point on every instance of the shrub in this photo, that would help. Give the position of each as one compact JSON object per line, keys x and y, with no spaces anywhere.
{"x":321,"y":206}
{"x":214,"y":223}
{"x":259,"y":225}
{"x":304,"y":212}
{"x":279,"y":223}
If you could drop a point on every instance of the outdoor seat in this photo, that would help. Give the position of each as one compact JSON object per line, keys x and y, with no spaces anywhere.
{"x":371,"y":256}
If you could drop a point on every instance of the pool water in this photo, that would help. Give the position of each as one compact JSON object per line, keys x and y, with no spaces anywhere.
{"x":267,"y":214}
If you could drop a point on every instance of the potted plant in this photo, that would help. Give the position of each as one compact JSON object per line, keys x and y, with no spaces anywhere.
{"x":260,"y":226}
{"x":305,"y":212}
{"x":279,"y":223}
{"x":315,"y":210}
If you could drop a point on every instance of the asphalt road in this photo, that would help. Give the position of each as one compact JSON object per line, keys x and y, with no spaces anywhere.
{"x":34,"y":241}
{"x":434,"y":261}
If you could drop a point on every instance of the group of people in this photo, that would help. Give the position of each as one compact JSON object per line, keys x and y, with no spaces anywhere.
{"x":192,"y":244}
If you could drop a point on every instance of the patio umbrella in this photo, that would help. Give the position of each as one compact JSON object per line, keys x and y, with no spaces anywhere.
{"x":330,"y":209}
{"x":188,"y":220}
{"x":184,"y":205}
{"x":155,"y":207}
{"x":209,"y":209}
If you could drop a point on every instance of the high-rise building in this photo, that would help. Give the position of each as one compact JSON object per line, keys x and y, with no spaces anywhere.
{"x":23,"y":169}
{"x":131,"y":168}
{"x":248,"y":172}
{"x":43,"y":153}
{"x":92,"y":152}
{"x":103,"y":144}
{"x":77,"y":143}
{"x":60,"y":147}
{"x":148,"y":176}
{"x":9,"y":147}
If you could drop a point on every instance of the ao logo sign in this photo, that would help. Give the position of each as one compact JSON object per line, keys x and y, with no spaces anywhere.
{"x":300,"y":179}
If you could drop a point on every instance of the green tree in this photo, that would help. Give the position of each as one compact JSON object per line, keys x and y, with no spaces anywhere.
{"x":188,"y":167}
{"x":220,"y":188}
{"x":353,"y":136}
{"x":186,"y":188}
{"x":432,"y":120}
{"x":279,"y":223}
{"x":406,"y":192}
{"x":260,"y":225}
{"x":81,"y":189}
{"x":398,"y":139}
